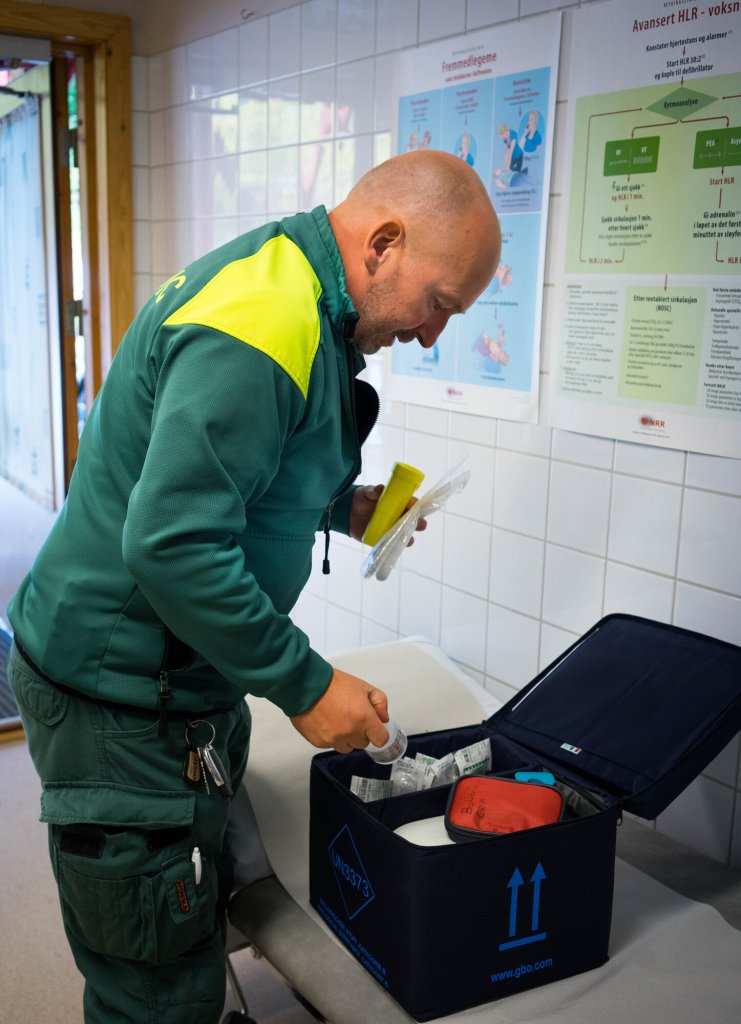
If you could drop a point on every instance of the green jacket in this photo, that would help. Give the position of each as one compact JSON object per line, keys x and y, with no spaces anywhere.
{"x":230,"y":422}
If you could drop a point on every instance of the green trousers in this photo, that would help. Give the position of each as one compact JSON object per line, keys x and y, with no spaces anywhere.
{"x":145,"y":930}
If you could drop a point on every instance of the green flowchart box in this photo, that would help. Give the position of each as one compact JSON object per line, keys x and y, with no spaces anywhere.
{"x":733,"y":147}
{"x":631,"y":156}
{"x":720,"y":147}
{"x":645,"y":156}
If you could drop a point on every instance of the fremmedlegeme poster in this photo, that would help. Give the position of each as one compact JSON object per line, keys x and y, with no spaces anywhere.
{"x":488,"y":97}
{"x":650,"y":297}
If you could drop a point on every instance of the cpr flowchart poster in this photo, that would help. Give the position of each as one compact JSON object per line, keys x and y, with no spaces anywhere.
{"x":650,"y":301}
{"x":488,"y":97}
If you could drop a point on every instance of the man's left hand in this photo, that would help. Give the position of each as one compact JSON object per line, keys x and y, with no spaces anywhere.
{"x":363,"y":506}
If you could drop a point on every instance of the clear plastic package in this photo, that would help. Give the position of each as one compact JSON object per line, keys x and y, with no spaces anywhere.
{"x":385,"y":554}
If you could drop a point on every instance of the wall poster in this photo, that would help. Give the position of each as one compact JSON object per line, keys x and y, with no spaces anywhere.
{"x":650,"y":298}
{"x":490,"y":98}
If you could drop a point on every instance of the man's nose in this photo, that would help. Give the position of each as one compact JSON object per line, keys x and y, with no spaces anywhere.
{"x":432,"y":328}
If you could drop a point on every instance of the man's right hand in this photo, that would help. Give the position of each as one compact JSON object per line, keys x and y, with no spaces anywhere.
{"x":349,"y":715}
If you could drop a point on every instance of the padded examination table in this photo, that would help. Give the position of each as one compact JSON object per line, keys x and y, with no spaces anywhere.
{"x":673,"y":959}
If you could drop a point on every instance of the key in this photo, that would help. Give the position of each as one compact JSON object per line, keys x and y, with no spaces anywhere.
{"x":204,"y":773}
{"x":217,"y":771}
{"x":192,"y":767}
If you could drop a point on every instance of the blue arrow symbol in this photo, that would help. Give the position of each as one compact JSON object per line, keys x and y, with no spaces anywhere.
{"x":537,"y":877}
{"x":514,"y":884}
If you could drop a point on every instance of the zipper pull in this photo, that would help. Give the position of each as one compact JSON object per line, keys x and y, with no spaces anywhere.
{"x":164,"y":695}
{"x":325,"y":563}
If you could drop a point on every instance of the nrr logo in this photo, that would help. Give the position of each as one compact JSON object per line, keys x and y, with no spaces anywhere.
{"x":649,"y":421}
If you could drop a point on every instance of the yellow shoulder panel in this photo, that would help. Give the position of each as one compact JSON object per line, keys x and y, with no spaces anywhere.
{"x":267,"y":300}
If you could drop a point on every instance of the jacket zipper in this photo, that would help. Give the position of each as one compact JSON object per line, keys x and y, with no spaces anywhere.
{"x":351,"y":386}
{"x":165,"y":691}
{"x":164,"y":695}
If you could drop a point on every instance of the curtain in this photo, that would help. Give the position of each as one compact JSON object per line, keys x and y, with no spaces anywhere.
{"x":26,"y":452}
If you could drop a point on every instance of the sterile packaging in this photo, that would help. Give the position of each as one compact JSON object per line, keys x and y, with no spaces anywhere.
{"x":385,"y":554}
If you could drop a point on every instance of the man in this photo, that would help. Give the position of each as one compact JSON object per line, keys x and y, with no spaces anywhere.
{"x":226,"y":434}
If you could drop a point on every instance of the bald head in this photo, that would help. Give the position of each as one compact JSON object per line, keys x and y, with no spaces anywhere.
{"x":423,"y":221}
{"x":431,"y":190}
{"x":424,"y":178}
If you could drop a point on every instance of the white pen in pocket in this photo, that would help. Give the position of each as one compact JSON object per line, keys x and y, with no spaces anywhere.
{"x":197,"y":864}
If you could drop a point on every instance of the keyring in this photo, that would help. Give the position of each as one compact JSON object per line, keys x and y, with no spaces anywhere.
{"x":199,"y":721}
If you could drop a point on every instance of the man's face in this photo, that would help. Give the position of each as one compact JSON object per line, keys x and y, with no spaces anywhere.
{"x":413,"y":300}
{"x":405,"y":311}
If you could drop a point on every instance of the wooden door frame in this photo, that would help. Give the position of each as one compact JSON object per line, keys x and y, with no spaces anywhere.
{"x":108,"y":96}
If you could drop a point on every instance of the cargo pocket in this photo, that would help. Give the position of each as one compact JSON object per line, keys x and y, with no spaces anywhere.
{"x":46,"y":713}
{"x":37,"y":698}
{"x":122,"y":861}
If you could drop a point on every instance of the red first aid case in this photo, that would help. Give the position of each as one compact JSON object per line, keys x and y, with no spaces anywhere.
{"x":484,"y":805}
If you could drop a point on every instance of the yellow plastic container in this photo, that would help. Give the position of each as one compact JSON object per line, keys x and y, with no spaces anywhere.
{"x":394,"y":499}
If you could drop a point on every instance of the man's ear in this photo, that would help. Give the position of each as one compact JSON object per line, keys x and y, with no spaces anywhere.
{"x":383,"y":241}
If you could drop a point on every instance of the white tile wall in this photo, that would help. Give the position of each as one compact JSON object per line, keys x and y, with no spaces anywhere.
{"x":553,"y":641}
{"x":661,"y":464}
{"x":511,"y":647}
{"x":643,"y":592}
{"x":516,"y":573}
{"x":521,"y":493}
{"x":644,"y":523}
{"x":382,"y":601}
{"x":572,"y":590}
{"x":475,"y":500}
{"x":441,"y":18}
{"x":284,"y":42}
{"x":420,"y":605}
{"x":356,"y":30}
{"x":480,"y":13}
{"x":318,"y":34}
{"x":463,"y":632}
{"x":354,"y":89}
{"x":396,"y":24}
{"x":710,"y":545}
{"x":578,"y":507}
{"x":343,"y":629}
{"x":555,"y":529}
{"x":714,"y":474}
{"x":582,"y":449}
{"x":707,"y":611}
{"x":253,"y":52}
{"x":466,"y":554}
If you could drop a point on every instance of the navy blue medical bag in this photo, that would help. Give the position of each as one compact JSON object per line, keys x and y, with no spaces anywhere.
{"x":624,"y":719}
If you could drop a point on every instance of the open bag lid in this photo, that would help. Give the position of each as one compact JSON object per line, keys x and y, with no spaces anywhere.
{"x":635,"y":707}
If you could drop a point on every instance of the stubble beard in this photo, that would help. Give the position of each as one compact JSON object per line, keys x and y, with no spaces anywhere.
{"x":374,"y":331}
